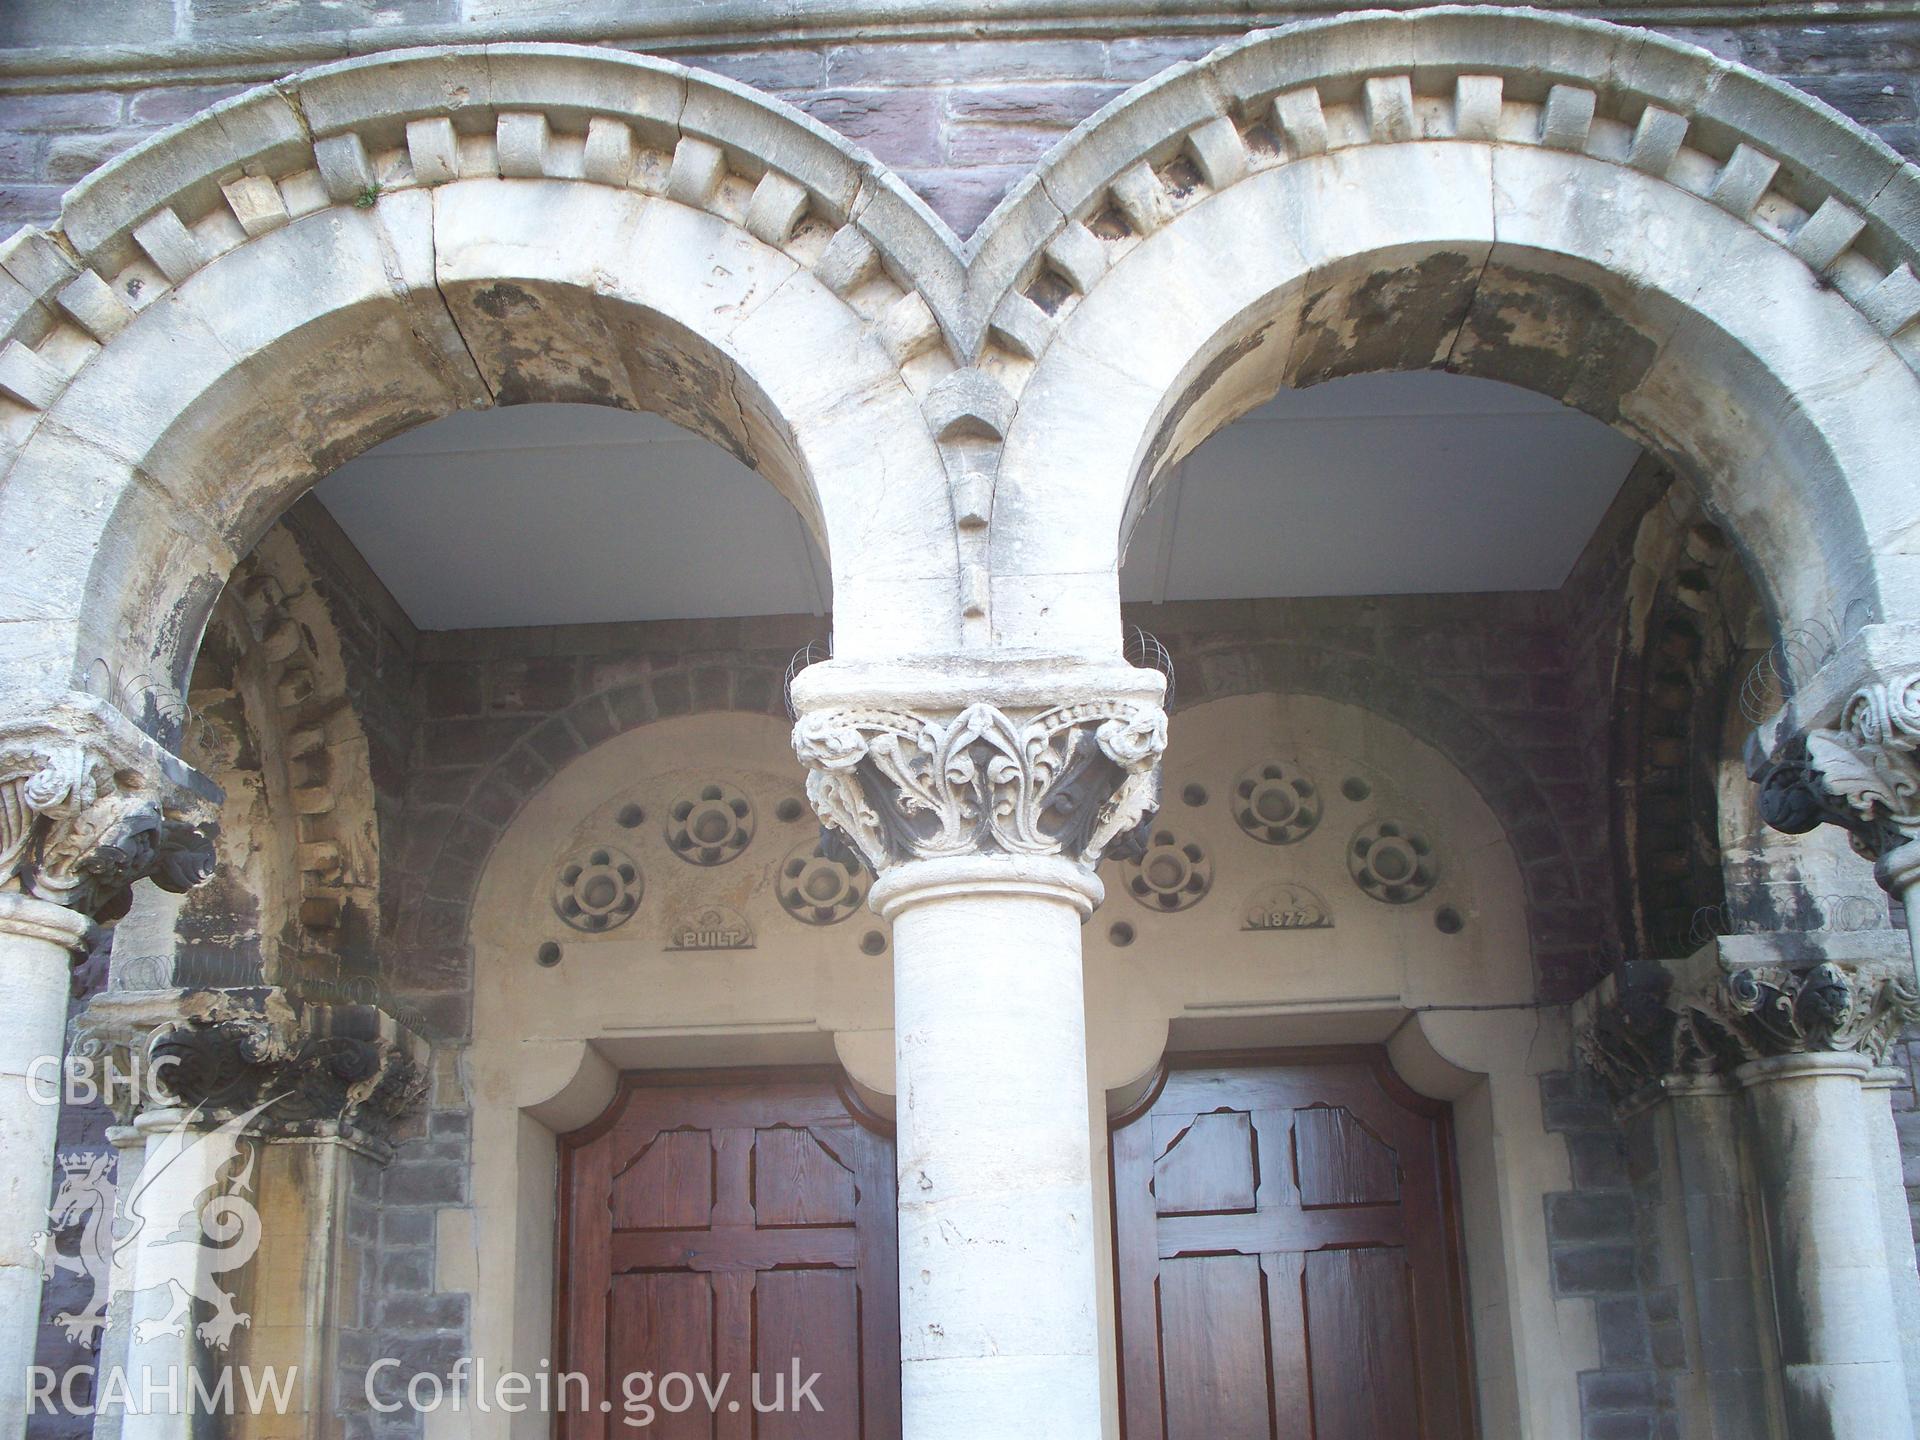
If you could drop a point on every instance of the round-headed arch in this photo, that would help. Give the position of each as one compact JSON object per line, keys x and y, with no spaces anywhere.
{"x":1714,"y":263}
{"x":1711,"y":261}
{"x":234,"y":308}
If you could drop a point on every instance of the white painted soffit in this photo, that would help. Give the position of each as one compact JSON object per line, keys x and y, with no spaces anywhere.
{"x":1384,"y":484}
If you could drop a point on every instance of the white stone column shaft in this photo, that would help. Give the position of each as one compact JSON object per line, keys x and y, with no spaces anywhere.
{"x":998,"y":1311}
{"x":36,"y":940}
{"x":1840,"y":1348}
{"x":1896,"y":1218}
{"x":116,"y":1334}
{"x":1714,"y":1246}
{"x":175,"y":1175}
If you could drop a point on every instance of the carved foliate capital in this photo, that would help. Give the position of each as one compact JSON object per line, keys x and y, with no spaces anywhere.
{"x":89,"y":806}
{"x":1076,"y":780}
{"x":1654,"y":1030}
{"x":1777,"y":1011}
{"x":312,"y":1070}
{"x":1863,"y":775}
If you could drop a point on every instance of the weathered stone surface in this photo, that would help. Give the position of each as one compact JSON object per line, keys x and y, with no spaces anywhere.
{"x":1291,"y":212}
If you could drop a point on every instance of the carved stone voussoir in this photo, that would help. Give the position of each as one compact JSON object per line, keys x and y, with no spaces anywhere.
{"x":312,"y":1070}
{"x":1864,"y":775}
{"x":1076,"y":780}
{"x":89,"y":806}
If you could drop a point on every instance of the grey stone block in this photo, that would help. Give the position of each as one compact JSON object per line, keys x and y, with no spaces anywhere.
{"x":1597,"y":1215}
{"x":439,"y":1182}
{"x":963,"y":196}
{"x":949,"y":62}
{"x":249,"y":17}
{"x":1062,"y":105}
{"x":72,"y":110}
{"x":1011,"y":146}
{"x":900,"y":127}
{"x":792,"y":72}
{"x":71,"y":157}
{"x":26,"y":23}
{"x":424,"y":1312}
{"x":1619,"y":1390}
{"x":169,"y":105}
{"x":1619,"y":1425}
{"x":1623,"y":1331}
{"x":1594,"y":1270}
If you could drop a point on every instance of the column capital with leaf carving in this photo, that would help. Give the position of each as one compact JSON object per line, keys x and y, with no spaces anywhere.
{"x":89,"y":806}
{"x":1035,"y":757}
{"x":1659,"y":1024}
{"x":1861,"y":773}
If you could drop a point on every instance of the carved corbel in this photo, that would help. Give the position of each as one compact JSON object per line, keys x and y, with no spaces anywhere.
{"x":1863,"y":775}
{"x":1645,"y":1033}
{"x":1078,"y":780}
{"x":311,"y":1070}
{"x":89,"y":806}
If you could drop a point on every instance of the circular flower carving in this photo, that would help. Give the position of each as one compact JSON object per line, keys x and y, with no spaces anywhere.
{"x":711,"y":826}
{"x":1392,"y":862}
{"x":597,"y":888}
{"x":1171,"y":874}
{"x":1276,"y":804}
{"x":817,"y":888}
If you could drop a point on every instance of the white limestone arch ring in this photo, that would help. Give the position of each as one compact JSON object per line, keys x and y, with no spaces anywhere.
{"x":1718,"y":265}
{"x":238,"y":305}
{"x":230,"y":310}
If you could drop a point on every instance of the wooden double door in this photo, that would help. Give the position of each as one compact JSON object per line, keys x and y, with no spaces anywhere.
{"x":735,"y":1228}
{"x":1284,"y":1242}
{"x":1287,"y":1258}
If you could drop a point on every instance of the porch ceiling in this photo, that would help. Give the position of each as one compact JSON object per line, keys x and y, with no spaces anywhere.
{"x":1382,"y":484}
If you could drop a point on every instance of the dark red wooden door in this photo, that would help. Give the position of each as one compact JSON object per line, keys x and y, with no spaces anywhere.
{"x":1287,"y":1256}
{"x":731,"y":1226}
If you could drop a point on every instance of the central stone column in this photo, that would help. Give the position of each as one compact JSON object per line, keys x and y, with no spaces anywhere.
{"x":984,"y":818}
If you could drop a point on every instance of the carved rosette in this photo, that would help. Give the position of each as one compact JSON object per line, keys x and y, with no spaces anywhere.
{"x":1077,"y":780}
{"x":1863,"y":776}
{"x":1650,"y":1033}
{"x":318,"y":1070}
{"x":89,"y":806}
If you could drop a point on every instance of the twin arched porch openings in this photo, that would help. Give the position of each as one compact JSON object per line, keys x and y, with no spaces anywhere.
{"x":1710,"y":261}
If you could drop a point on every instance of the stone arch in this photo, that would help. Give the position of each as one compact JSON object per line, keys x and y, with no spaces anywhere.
{"x":232,"y":309}
{"x":1688,"y":627}
{"x":271,"y":717}
{"x":1713,"y":263}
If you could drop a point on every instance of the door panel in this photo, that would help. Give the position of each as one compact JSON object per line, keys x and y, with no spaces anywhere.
{"x":732,"y":1225}
{"x":1287,"y":1260}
